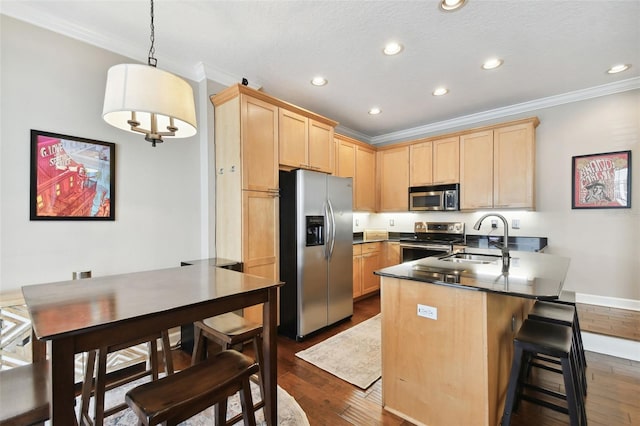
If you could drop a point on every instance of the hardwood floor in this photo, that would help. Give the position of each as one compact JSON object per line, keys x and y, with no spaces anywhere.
{"x":613,"y":387}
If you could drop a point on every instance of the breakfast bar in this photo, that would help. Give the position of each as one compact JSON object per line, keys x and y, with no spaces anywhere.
{"x":448,"y":324}
{"x":78,"y":316}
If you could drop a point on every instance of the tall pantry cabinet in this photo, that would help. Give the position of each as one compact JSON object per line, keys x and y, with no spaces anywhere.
{"x":246,"y":149}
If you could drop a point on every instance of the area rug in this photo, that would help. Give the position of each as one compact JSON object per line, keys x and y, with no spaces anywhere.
{"x":289,"y":412}
{"x":353,"y":355}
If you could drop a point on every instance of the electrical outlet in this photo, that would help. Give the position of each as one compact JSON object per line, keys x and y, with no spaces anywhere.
{"x":515,"y":223}
{"x":494,"y":223}
{"x":391,"y":222}
{"x":426,"y":311}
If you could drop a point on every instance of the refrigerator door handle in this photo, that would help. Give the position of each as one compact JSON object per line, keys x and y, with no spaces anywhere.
{"x":327,"y":234}
{"x":332,"y":218}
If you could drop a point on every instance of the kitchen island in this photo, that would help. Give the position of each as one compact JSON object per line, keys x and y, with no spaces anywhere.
{"x":447,"y":331}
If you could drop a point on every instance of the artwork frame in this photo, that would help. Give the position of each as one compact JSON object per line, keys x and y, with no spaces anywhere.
{"x":72,"y":178}
{"x":601,"y":181}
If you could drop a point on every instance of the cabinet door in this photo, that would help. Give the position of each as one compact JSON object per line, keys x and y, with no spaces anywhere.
{"x":476,"y":170}
{"x":345,"y":159}
{"x":260,"y":240}
{"x":346,"y":164}
{"x":357,"y":276}
{"x":365,"y":180}
{"x":513,"y":166}
{"x":293,"y":138}
{"x":320,"y":144}
{"x":259,"y":145}
{"x":421,"y":164}
{"x":394,"y":179}
{"x":446,"y":160}
{"x":391,"y":254}
{"x":370,"y":281}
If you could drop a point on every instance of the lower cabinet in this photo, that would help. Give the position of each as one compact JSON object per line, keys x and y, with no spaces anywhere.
{"x":367,"y":258}
{"x":391,"y":254}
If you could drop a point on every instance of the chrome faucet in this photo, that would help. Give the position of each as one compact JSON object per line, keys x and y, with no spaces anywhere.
{"x":505,"y":239}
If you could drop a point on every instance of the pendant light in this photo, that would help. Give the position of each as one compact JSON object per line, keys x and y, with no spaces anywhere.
{"x":144,"y":99}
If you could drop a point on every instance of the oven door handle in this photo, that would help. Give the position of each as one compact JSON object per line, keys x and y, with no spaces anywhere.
{"x":434,"y":247}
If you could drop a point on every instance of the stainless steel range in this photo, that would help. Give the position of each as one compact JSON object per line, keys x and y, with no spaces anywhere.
{"x":432,"y":239}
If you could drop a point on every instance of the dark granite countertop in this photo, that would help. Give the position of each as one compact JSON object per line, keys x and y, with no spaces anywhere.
{"x":531,"y":275}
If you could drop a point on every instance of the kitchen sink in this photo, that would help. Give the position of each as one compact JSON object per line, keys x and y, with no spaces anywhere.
{"x":483,"y":259}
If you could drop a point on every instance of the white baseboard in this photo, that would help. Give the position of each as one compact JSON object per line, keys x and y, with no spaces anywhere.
{"x":611,"y":302}
{"x":614,"y":346}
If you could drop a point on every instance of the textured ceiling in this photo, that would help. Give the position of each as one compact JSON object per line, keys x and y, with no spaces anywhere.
{"x":549,"y":47}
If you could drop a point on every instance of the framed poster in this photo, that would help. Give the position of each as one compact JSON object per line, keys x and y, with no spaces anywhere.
{"x":601,"y":181}
{"x":72,"y":178}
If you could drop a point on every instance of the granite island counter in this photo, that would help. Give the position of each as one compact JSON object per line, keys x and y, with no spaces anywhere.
{"x":448,"y":328}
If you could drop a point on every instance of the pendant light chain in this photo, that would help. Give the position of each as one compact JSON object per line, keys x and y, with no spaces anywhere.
{"x":152,"y":61}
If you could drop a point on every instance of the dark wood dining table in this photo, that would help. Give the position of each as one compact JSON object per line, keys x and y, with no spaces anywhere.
{"x":82,"y":315}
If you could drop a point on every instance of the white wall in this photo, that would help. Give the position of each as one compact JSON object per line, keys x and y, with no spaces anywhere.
{"x":603,"y":244}
{"x":53,"y":83}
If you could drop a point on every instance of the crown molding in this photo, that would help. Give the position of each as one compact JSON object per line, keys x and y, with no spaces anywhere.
{"x":498,"y":113}
{"x":353,"y":134}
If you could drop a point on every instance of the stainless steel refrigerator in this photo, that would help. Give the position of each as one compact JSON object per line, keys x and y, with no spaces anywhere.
{"x":316,"y":254}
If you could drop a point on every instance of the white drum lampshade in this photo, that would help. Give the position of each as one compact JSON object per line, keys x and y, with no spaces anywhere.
{"x":162,"y":103}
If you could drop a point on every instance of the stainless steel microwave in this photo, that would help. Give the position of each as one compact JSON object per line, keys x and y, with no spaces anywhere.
{"x":436,"y":197}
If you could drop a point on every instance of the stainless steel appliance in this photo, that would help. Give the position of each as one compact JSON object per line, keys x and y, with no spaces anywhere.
{"x":316,"y":251}
{"x":432,"y":239}
{"x":437,"y":197}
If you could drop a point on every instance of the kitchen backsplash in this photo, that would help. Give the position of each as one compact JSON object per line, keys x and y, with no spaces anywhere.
{"x":403,"y":222}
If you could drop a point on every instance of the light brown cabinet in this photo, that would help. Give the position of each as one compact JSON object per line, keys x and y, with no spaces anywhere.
{"x":434,"y":162}
{"x":393,"y":179}
{"x":358,"y":162}
{"x":246,"y":133}
{"x":446,"y":160}
{"x":248,"y":127}
{"x":304,"y":142}
{"x":421,"y":164}
{"x":391,"y":250}
{"x":497,"y":167}
{"x":367,"y":258}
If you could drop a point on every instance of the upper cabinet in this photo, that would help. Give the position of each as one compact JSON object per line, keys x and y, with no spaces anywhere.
{"x":393,"y":167}
{"x":356,"y":160}
{"x":446,"y":160}
{"x":304,"y":142}
{"x":259,"y":144}
{"x":434,"y":162}
{"x":514,"y":153}
{"x":421,"y":164}
{"x":497,"y":167}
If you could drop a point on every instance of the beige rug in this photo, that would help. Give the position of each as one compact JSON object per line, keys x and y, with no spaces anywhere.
{"x":353,"y":355}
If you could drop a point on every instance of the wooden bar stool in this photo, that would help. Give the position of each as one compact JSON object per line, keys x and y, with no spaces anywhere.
{"x":175,"y":398}
{"x":564,"y":314}
{"x":24,"y":390}
{"x":103,"y":382}
{"x":536,"y":337}
{"x":229,"y":330}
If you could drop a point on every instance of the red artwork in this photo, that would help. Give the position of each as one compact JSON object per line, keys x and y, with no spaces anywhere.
{"x":72,"y":178}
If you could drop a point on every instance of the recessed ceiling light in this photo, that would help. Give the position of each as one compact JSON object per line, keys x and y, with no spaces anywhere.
{"x":375,"y":111}
{"x":440,"y":91}
{"x":319,"y":81}
{"x":451,"y":5}
{"x":491,"y":64}
{"x":618,"y":68}
{"x":392,"y":48}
